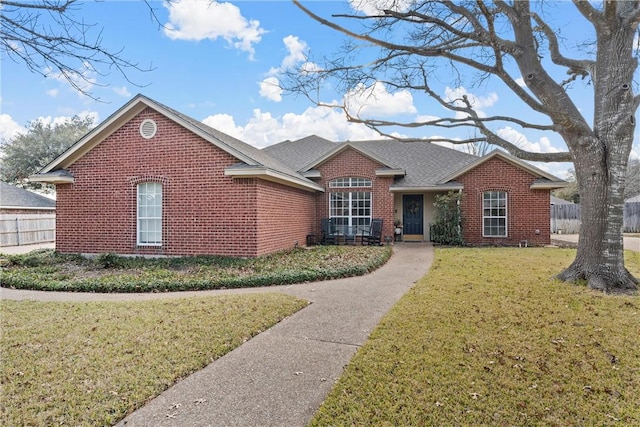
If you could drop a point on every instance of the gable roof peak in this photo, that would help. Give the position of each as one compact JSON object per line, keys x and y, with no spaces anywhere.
{"x":539,"y":173}
{"x":242,"y":151}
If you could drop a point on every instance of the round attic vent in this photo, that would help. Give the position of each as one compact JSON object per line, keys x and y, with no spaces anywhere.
{"x":148,"y":128}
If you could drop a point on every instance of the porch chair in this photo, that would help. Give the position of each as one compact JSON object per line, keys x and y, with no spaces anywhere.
{"x":327,"y":236}
{"x":374,"y":237}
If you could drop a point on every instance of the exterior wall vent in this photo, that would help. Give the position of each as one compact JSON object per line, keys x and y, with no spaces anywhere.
{"x":148,"y":129}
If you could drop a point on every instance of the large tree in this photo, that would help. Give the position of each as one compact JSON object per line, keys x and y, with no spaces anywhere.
{"x":48,"y":38}
{"x":28,"y":152}
{"x":417,"y":45}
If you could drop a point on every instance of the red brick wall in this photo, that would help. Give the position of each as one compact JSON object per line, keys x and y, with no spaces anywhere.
{"x":350,"y":163}
{"x":204,"y":212}
{"x":285,"y":217}
{"x":527,"y":210}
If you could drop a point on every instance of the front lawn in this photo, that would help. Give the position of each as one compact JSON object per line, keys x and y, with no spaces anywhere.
{"x":90,"y":364}
{"x":48,"y":270}
{"x":487,"y":338}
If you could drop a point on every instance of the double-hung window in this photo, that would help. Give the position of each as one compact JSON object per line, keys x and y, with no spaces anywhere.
{"x":350,"y":208}
{"x":149,"y":214}
{"x":494,"y":216}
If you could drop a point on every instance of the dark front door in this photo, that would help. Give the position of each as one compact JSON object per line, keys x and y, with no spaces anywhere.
{"x":412,"y":214}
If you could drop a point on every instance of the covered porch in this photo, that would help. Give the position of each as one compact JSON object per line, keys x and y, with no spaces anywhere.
{"x":414,"y":213}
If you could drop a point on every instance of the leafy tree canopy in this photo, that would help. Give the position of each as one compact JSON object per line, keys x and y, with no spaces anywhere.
{"x":27,"y":153}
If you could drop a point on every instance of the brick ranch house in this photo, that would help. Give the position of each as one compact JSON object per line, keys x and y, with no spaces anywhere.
{"x":152,"y":181}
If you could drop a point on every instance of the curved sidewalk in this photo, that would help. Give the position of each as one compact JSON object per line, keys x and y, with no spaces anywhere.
{"x":281,"y":376}
{"x":630,"y":243}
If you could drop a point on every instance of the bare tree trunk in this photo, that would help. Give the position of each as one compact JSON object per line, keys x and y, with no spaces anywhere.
{"x":600,"y":257}
{"x":601,"y":157}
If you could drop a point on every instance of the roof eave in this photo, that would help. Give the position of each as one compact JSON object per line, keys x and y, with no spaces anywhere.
{"x":313,"y":173}
{"x":96,"y":135}
{"x":30,"y":208}
{"x":338,"y":150}
{"x":552,"y":185}
{"x":390,"y":172}
{"x":271,"y":175}
{"x":52,"y":178}
{"x":117,"y":119}
{"x":506,"y":157}
{"x":427,"y":188}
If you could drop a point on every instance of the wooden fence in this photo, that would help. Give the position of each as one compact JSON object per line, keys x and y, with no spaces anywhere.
{"x":27,"y":229}
{"x":565,"y":219}
{"x":631,"y":217}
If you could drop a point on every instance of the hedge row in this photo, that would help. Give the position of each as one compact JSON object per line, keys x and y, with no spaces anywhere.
{"x":50,"y":271}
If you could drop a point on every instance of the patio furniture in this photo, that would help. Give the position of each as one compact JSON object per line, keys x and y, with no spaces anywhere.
{"x":347,"y":234}
{"x":374,"y":236}
{"x":328,"y":235}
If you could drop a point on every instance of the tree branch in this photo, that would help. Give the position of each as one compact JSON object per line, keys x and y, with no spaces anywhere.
{"x":575,"y":67}
{"x":431,"y":51}
{"x":63,"y":47}
{"x":46,"y":6}
{"x":472,"y":119}
{"x":588,"y":11}
{"x":633,"y":18}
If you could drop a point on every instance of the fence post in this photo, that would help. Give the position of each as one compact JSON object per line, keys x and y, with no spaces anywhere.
{"x":18,"y":231}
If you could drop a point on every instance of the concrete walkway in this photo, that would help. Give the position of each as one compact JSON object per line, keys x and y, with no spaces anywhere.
{"x":630,"y":243}
{"x":23,"y":249}
{"x":280,"y":377}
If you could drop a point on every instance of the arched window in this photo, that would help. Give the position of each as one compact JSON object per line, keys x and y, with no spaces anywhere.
{"x":350,"y":208}
{"x":149,"y":214}
{"x":349,"y":182}
{"x":494,"y":214}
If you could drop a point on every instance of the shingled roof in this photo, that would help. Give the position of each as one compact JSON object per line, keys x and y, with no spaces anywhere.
{"x":297,"y":154}
{"x":415,"y":165}
{"x":251,"y":160}
{"x":16,"y":198}
{"x":425,"y":164}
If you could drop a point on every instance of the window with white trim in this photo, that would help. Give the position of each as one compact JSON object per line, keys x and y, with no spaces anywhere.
{"x":350,"y":208}
{"x":149,"y":214}
{"x":494,"y":215}
{"x":349,"y":182}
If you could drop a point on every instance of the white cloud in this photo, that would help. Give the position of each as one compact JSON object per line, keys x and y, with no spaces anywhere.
{"x":520,"y":82}
{"x":426,"y":118}
{"x":224,"y":123}
{"x":375,"y":7}
{"x":376,"y":101}
{"x":53,"y":92}
{"x":122,"y":91}
{"x":635,"y":148}
{"x":9,"y":128}
{"x":58,"y":120}
{"x":270,"y":89}
{"x":560,"y":170}
{"x":263,"y":129}
{"x":543,"y":145}
{"x":477,"y":102}
{"x":81,"y":82}
{"x":309,"y":67}
{"x":205,"y":19}
{"x":297,"y":52}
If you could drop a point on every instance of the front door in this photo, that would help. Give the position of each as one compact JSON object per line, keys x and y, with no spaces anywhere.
{"x":412,"y":216}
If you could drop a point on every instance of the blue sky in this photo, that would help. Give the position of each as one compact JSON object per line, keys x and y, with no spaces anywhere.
{"x":214,"y":64}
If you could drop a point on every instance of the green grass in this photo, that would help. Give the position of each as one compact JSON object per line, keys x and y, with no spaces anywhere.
{"x":48,"y":270}
{"x":90,"y":364}
{"x":487,"y":338}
